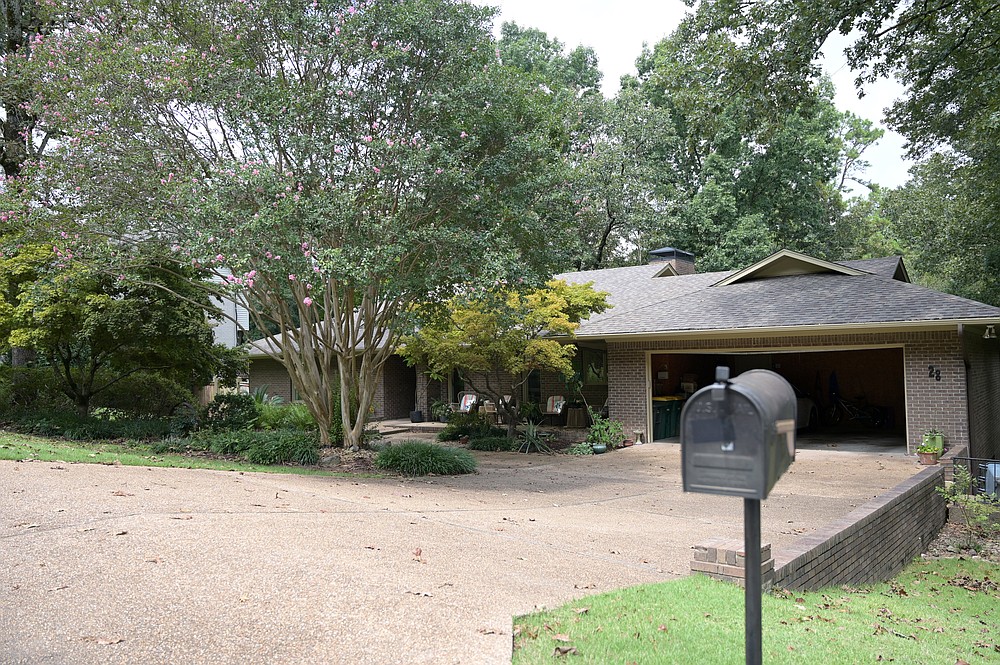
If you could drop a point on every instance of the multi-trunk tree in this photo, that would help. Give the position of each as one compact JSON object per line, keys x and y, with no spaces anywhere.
{"x":335,"y":162}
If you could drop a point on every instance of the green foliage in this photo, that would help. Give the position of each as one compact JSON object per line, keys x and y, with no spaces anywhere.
{"x":924,"y":615}
{"x":419,"y":458}
{"x":440,"y":409}
{"x":262,"y":398}
{"x":497,"y":338}
{"x":606,"y":431}
{"x":532,"y":440}
{"x":230,"y":411}
{"x":977,"y":509}
{"x":96,"y":329}
{"x":492,"y":443}
{"x":310,"y":132}
{"x":260,"y":447}
{"x":284,"y":446}
{"x":944,"y":219}
{"x":78,"y":427}
{"x":144,"y":394}
{"x":945,"y":54}
{"x":581,"y":448}
{"x":471,"y":424}
{"x":28,"y":389}
{"x":284,"y":416}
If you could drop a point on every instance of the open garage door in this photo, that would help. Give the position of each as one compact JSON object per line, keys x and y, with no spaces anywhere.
{"x":850,"y":394}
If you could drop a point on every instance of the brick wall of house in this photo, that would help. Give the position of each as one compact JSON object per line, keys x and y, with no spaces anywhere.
{"x":872,"y":543}
{"x":934,"y":398}
{"x":983,"y":361}
{"x":272,"y":375}
{"x":397,"y":390}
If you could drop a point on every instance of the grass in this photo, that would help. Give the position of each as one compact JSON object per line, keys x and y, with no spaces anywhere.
{"x":128,"y":453}
{"x":935,"y":611}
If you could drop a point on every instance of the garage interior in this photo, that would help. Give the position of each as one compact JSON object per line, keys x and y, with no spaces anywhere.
{"x":862,"y":377}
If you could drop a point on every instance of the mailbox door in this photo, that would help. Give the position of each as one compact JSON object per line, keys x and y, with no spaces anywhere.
{"x":722,"y":445}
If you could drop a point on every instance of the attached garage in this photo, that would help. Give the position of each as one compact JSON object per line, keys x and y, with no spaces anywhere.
{"x":868,"y":381}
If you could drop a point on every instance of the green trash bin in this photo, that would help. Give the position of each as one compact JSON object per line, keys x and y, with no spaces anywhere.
{"x":660,"y":418}
{"x":666,"y":417}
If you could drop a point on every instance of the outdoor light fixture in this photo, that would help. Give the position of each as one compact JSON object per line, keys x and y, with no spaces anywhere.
{"x":990,"y":333}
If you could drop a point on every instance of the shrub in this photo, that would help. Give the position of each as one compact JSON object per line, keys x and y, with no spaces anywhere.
{"x":30,"y":388}
{"x":184,"y":420}
{"x":419,"y":458}
{"x":284,"y":416}
{"x":283,"y":446}
{"x":493,"y":443}
{"x":472,"y":425}
{"x":260,"y":447}
{"x":582,"y":448}
{"x":144,"y":394}
{"x":72,"y":425}
{"x":230,"y":411}
{"x":604,"y":430}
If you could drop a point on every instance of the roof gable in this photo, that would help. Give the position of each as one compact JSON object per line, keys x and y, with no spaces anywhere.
{"x":785,"y":264}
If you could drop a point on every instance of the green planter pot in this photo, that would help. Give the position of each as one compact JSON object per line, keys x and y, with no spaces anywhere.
{"x":600,"y":448}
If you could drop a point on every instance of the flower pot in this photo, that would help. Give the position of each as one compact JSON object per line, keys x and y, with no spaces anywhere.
{"x":416,"y":416}
{"x":600,"y":448}
{"x":627,"y":442}
{"x":928,"y":458}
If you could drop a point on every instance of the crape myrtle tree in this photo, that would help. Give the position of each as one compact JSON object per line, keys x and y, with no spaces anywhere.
{"x":21,"y":23}
{"x":496,"y":337}
{"x":335,"y":162}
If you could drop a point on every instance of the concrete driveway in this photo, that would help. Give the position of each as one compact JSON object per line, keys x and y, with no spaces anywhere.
{"x":103,"y":564}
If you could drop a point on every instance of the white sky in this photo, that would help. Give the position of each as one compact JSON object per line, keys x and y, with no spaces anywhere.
{"x":616,"y":31}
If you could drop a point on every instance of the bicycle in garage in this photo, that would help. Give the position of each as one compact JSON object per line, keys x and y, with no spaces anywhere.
{"x":860,"y":411}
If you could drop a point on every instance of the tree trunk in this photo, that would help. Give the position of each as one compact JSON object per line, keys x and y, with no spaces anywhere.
{"x":82,"y":404}
{"x":21,"y":356}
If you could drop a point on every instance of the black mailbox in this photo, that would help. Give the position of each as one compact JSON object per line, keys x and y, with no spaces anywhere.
{"x":738,"y":437}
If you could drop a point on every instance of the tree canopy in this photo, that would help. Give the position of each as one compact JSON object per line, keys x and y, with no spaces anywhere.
{"x":335,"y":162}
{"x":946,"y":54}
{"x":496,"y":338}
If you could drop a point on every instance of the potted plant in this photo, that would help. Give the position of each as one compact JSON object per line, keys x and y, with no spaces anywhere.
{"x":931,"y":447}
{"x":934,"y":438}
{"x":440,"y":410}
{"x":604,"y":432}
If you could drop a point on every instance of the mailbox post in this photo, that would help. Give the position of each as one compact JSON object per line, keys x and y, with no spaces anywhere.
{"x":737,"y":439}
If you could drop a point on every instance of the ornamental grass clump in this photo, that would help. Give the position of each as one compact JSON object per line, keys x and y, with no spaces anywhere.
{"x":420,"y":458}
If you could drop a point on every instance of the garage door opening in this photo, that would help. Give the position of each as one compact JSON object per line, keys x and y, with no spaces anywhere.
{"x":855,"y":397}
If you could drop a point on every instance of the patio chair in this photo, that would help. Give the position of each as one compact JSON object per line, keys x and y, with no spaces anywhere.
{"x":553,"y":408}
{"x":467,"y":402}
{"x":489,"y":410}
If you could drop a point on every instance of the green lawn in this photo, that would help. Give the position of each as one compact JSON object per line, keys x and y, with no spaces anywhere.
{"x":941,"y":611}
{"x":130,"y":453}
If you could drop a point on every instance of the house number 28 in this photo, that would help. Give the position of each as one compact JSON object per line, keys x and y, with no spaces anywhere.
{"x":933,"y":372}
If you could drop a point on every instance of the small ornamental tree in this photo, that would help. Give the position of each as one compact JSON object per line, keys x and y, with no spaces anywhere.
{"x":496,"y":339}
{"x":94,"y":330}
{"x":334,"y":162}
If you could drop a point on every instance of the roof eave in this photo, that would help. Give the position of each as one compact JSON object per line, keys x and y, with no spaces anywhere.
{"x":777,"y":331}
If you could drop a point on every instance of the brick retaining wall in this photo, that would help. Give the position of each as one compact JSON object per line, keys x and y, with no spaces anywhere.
{"x":872,"y":543}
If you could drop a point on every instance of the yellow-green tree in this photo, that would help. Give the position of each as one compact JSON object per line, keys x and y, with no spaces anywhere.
{"x":495,"y":339}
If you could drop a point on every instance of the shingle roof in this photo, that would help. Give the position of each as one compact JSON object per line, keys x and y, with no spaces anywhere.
{"x":645,"y":305}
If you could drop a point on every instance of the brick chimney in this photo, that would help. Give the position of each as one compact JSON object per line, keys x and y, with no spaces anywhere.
{"x":682,"y":262}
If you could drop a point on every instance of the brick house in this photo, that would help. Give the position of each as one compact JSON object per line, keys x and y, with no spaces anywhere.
{"x":927,"y":359}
